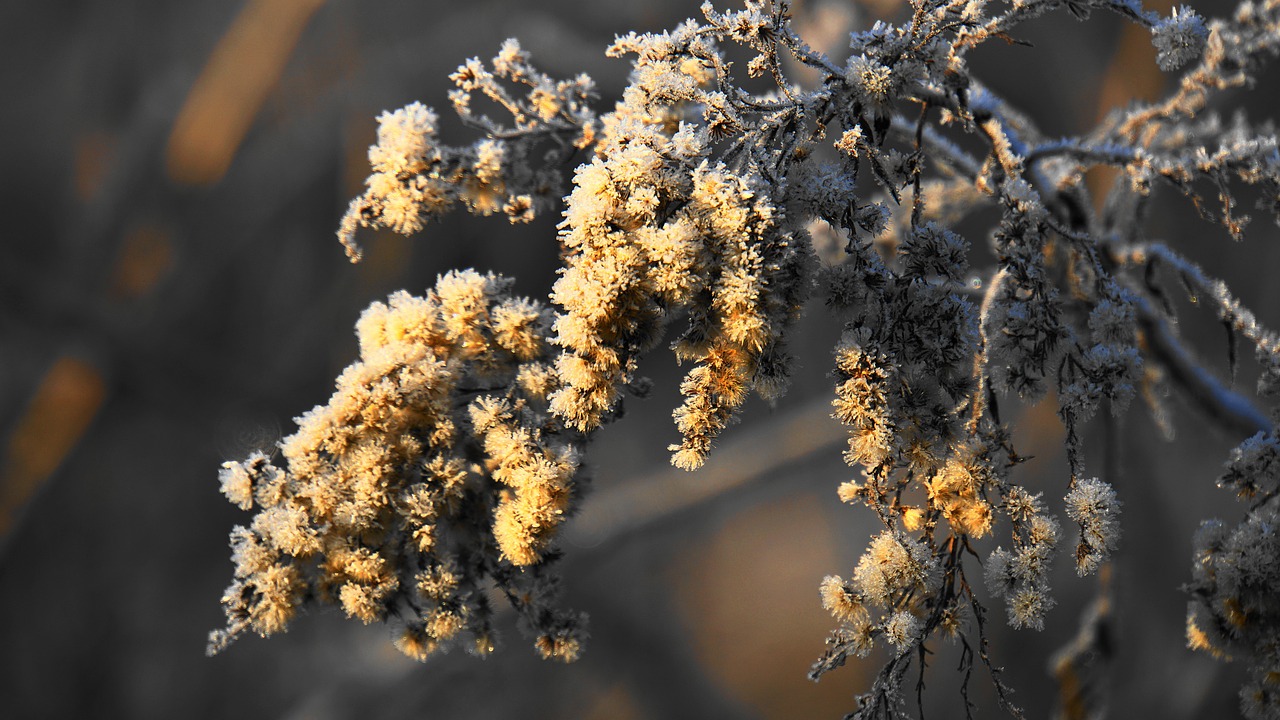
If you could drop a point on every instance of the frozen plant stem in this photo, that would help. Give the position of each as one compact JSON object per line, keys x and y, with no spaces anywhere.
{"x":448,"y":458}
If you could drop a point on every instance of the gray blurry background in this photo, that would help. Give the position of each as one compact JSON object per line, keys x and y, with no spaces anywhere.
{"x":171,"y":294}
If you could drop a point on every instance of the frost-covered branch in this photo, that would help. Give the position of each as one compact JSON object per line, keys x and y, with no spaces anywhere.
{"x":707,"y":217}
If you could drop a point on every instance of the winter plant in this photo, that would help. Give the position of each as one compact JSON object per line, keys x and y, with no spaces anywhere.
{"x":439,"y":473}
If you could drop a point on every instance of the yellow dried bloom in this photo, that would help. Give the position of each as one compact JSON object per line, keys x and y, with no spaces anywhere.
{"x":628,"y":272}
{"x":537,"y":380}
{"x":519,"y":327}
{"x":277,"y":590}
{"x":851,"y":491}
{"x":270,"y":486}
{"x":440,"y":581}
{"x":841,"y":602}
{"x":894,"y":565}
{"x":877,"y":83}
{"x":251,"y":553}
{"x":1027,"y":608}
{"x":903,"y":631}
{"x":288,"y":529}
{"x":416,"y":644}
{"x":237,"y":484}
{"x":1093,"y":504}
{"x":848,"y":142}
{"x":955,"y":492}
{"x":443,"y":624}
{"x":484,"y":190}
{"x":913,"y":518}
{"x":564,"y":648}
{"x":377,"y":480}
{"x":363,"y":602}
{"x":539,"y":474}
{"x":415,"y":177}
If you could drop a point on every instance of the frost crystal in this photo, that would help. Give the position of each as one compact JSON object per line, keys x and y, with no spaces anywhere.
{"x":1179,"y":38}
{"x":1092,"y":503}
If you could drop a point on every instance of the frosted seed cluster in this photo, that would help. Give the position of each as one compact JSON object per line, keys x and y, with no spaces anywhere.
{"x":434,"y":472}
{"x":1179,"y":38}
{"x":416,"y":178}
{"x":1092,"y":503}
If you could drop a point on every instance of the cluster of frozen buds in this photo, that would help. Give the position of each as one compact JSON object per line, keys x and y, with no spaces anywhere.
{"x":447,"y":459}
{"x":415,"y":178}
{"x":1234,"y":612}
{"x":657,"y":229}
{"x":433,"y":473}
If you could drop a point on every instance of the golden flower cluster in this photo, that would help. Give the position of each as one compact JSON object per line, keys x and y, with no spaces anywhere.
{"x":433,"y":471}
{"x":415,"y":177}
{"x":655,"y":230}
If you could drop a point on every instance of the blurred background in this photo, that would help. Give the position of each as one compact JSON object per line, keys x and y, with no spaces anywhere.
{"x":172,"y":294}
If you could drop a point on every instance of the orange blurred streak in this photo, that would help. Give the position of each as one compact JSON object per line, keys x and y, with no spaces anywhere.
{"x":240,"y":73}
{"x":765,"y":563}
{"x":614,"y":703}
{"x":883,"y":9}
{"x":825,"y":25}
{"x":1039,"y":436}
{"x":92,"y":153}
{"x":145,"y":257}
{"x":1131,"y":76}
{"x":60,"y":411}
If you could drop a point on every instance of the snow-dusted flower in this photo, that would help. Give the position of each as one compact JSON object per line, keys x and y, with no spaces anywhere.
{"x":362,"y":511}
{"x":1092,"y":503}
{"x":1179,"y":38}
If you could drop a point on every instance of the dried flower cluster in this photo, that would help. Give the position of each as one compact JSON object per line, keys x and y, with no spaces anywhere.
{"x":415,"y":178}
{"x":656,"y":229}
{"x":1235,"y":589}
{"x":433,"y":473}
{"x":447,"y":459}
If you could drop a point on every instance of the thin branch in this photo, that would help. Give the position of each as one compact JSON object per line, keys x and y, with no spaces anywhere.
{"x":1206,"y":391}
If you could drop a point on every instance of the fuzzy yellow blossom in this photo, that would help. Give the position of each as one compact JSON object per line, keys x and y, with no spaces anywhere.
{"x":277,"y":588}
{"x":287,"y":528}
{"x":840,"y":601}
{"x":564,"y":648}
{"x":955,"y":492}
{"x":628,"y":272}
{"x":416,"y":177}
{"x":415,"y":643}
{"x":903,"y":630}
{"x":893,"y":565}
{"x":863,"y":402}
{"x":237,"y":484}
{"x":484,"y":190}
{"x":444,"y":624}
{"x":913,"y":518}
{"x":250,"y":553}
{"x":848,"y":142}
{"x":363,"y":602}
{"x":406,"y":149}
{"x":439,"y":582}
{"x":876,"y":82}
{"x":540,"y":476}
{"x":362,"y":512}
